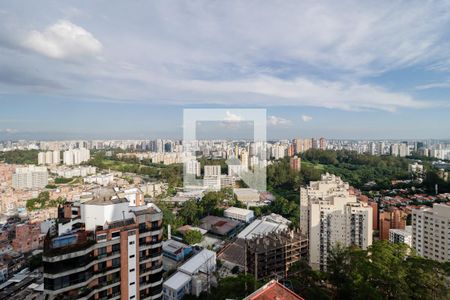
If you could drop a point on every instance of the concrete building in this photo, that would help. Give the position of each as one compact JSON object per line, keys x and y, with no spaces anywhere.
{"x":212,"y":183}
{"x":240,"y":214}
{"x":213,"y":170}
{"x":330,"y":214}
{"x":392,"y":218}
{"x":431,"y":232}
{"x":401,"y":236}
{"x":175,"y":250}
{"x":247,"y":195}
{"x":193,"y":168}
{"x":76,"y":156}
{"x":295,"y":163}
{"x":30,"y":177}
{"x":271,"y":255}
{"x":193,"y":277}
{"x":112,"y":251}
{"x":234,"y":253}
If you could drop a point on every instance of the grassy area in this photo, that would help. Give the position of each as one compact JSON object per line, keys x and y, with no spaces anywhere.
{"x":313,"y":165}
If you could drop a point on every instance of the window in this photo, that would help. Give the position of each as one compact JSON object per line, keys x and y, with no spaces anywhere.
{"x":115,"y":248}
{"x":115,"y":235}
{"x":101,"y":237}
{"x":101,"y":251}
{"x":115,"y":262}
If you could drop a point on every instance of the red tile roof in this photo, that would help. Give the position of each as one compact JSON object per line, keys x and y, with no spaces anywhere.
{"x":273,"y":290}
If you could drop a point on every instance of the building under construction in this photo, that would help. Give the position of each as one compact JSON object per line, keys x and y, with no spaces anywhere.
{"x":271,"y":256}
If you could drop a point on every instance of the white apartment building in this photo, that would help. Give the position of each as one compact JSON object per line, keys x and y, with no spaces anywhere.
{"x":213,"y":170}
{"x":100,"y":179}
{"x":401,"y":236}
{"x":30,"y":177}
{"x":193,"y":167}
{"x":239,"y":214}
{"x":431,"y":232}
{"x":330,"y":215}
{"x":76,"y":156}
{"x":70,"y":172}
{"x":49,"y":158}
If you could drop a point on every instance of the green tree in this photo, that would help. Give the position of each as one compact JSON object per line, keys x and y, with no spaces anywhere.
{"x":193,"y":237}
{"x":190,"y":211}
{"x":235,"y":287}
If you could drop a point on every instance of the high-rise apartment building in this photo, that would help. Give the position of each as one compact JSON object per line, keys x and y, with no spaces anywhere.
{"x":30,"y":177}
{"x":193,"y":167}
{"x":322,"y":144}
{"x":109,"y":250}
{"x":331,"y":215}
{"x":213,"y":170}
{"x":431,"y":232}
{"x":295,"y":163}
{"x":307,"y":144}
{"x":49,"y":158}
{"x":244,"y":159}
{"x":76,"y":156}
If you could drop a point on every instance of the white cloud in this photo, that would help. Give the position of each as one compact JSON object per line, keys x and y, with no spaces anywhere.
{"x":272,"y":91}
{"x":306,"y":118}
{"x":435,"y":85}
{"x":232,"y":117}
{"x":235,"y":53}
{"x":63,"y":40}
{"x":8,"y":130}
{"x":278,"y":121}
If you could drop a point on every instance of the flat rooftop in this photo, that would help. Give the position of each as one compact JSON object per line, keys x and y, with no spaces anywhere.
{"x":198,"y":260}
{"x":259,"y":227}
{"x":237,"y":210}
{"x":173,"y":246}
{"x":177,"y":281}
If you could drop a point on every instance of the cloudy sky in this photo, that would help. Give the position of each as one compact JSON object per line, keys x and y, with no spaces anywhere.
{"x":339,"y":69}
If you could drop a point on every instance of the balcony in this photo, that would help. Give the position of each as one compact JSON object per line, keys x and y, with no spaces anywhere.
{"x":152,"y":270}
{"x":150,"y":256}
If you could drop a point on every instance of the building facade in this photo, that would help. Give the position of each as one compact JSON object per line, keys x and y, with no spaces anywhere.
{"x":331,"y":215}
{"x":431,"y":232}
{"x":112,"y":251}
{"x":30,"y":177}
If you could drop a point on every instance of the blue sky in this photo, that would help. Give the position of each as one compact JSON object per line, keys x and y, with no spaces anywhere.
{"x":338,"y":69}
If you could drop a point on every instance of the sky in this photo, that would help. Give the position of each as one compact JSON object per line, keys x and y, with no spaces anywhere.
{"x":127,"y":69}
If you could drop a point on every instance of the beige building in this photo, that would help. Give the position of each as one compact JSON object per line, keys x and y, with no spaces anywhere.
{"x":431,"y":232}
{"x":331,"y":215}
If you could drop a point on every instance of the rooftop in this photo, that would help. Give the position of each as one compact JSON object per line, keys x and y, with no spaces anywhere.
{"x":218,"y":225}
{"x":177,"y":281}
{"x":261,"y":227}
{"x":237,"y":210}
{"x":173,"y":246}
{"x":273,"y":290}
{"x":194,"y":264}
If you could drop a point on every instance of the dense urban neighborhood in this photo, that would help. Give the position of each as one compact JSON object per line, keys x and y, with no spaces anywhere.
{"x":104,"y":219}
